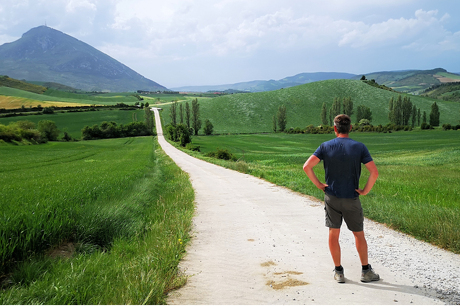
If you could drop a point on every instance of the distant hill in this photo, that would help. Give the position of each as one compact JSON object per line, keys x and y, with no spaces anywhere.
{"x":47,"y":55}
{"x":412,"y":81}
{"x":260,"y":86}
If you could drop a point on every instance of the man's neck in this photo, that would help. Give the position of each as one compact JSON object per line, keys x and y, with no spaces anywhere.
{"x":342,"y":135}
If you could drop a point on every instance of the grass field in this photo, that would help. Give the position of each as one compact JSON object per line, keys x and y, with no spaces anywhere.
{"x":252,"y":113}
{"x":73,"y":123}
{"x":114,"y":201}
{"x":418,"y":190}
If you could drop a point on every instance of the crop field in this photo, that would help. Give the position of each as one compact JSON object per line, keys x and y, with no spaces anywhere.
{"x":418,"y":190}
{"x":73,"y":123}
{"x":113,"y":202}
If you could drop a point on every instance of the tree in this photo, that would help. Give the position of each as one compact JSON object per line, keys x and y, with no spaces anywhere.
{"x":196,"y":122}
{"x":187,"y":114}
{"x":335,"y":108}
{"x":48,"y":129}
{"x":324,"y":120}
{"x":282,"y":118}
{"x":424,"y":117}
{"x":406,"y":110}
{"x":148,"y":118}
{"x":414,"y":115}
{"x":363,"y":112}
{"x":391,"y":112}
{"x":418,"y":116}
{"x":274,"y":123}
{"x":208,"y":127}
{"x":181,"y":114}
{"x":173,"y":113}
{"x":434,"y":115}
{"x":348,"y":106}
{"x":398,"y":111}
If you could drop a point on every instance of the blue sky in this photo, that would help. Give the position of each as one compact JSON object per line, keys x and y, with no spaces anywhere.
{"x":204,"y":42}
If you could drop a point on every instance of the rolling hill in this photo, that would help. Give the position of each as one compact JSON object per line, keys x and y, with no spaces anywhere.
{"x":412,"y":81}
{"x":47,"y":55}
{"x":253,"y":112}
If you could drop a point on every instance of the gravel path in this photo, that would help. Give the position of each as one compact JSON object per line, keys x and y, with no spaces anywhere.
{"x":258,"y":243}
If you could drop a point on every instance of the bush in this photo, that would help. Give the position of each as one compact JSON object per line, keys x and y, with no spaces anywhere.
{"x":192,"y":147}
{"x":222,"y":154}
{"x":426,"y":126}
{"x":208,"y":127}
{"x":446,"y":126}
{"x":48,"y":129}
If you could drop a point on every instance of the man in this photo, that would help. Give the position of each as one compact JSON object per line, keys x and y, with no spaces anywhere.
{"x":342,"y":158}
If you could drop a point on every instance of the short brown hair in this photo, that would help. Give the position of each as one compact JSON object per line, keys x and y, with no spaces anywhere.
{"x":342,"y":122}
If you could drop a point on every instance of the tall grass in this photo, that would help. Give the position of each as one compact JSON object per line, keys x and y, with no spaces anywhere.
{"x":418,"y":190}
{"x":115,"y":200}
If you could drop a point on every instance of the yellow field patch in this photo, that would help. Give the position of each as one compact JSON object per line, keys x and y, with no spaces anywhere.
{"x":8,"y":102}
{"x":444,"y":79}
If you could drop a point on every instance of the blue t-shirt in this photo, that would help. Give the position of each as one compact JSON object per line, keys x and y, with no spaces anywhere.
{"x":342,"y":158}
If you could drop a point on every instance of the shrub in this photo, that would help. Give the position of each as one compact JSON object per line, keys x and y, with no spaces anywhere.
{"x":446,"y":126}
{"x":222,"y":154}
{"x":192,"y":147}
{"x":208,"y":127}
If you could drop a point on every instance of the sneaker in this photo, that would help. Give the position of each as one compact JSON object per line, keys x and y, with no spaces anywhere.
{"x":338,"y":276}
{"x":369,"y":275}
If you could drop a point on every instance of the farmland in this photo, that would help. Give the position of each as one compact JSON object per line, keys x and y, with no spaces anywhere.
{"x":418,"y":175}
{"x":109,"y":200}
{"x":115,"y":202}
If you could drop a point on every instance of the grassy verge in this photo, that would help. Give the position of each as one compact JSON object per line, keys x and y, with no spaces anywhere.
{"x":128,"y":222}
{"x":418,"y":191}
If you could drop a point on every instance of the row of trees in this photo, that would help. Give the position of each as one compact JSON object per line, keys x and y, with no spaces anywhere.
{"x":113,"y":130}
{"x":344,"y":106}
{"x":403,"y":112}
{"x":181,"y":129}
{"x":44,"y":131}
{"x":189,"y":117}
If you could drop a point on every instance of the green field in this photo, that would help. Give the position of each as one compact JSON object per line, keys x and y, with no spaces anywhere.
{"x":73,"y":123}
{"x":252,"y":113}
{"x":418,"y":190}
{"x":114,"y":201}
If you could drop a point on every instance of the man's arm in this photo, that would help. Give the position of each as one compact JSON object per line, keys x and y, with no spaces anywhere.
{"x":308,"y":168}
{"x":374,"y":174}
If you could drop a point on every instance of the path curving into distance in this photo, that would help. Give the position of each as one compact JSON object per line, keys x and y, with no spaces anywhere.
{"x":257,"y":243}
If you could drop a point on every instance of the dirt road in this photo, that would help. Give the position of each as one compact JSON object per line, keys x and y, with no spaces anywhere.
{"x":257,"y":243}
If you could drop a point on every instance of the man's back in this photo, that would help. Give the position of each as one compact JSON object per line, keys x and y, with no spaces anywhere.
{"x":342,"y":159}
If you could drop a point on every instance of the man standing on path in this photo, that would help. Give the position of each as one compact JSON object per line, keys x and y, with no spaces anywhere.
{"x":342,"y":159}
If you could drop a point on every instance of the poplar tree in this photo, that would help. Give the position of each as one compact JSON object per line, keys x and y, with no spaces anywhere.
{"x":196,"y":122}
{"x":434,"y":115}
{"x":348,"y":106}
{"x":148,"y":118}
{"x":173,"y":113}
{"x":282,"y":118}
{"x":181,"y":114}
{"x":324,"y":120}
{"x":187,"y":114}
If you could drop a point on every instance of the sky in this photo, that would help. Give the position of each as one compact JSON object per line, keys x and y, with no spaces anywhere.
{"x":212,"y":42}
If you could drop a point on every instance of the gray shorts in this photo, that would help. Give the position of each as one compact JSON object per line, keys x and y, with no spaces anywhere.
{"x":338,"y":209}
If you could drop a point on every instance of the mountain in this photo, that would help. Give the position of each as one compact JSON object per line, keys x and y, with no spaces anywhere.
{"x":260,"y":86}
{"x":412,"y":81}
{"x":47,"y":55}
